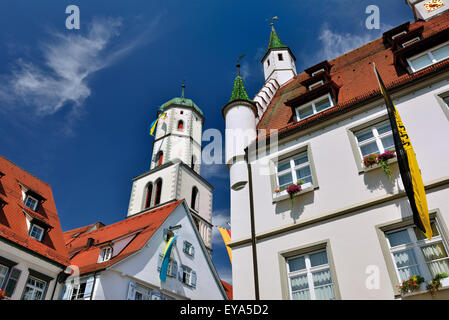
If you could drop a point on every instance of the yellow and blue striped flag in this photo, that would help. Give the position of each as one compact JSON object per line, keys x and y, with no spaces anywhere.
{"x":154,"y":123}
{"x":166,"y":258}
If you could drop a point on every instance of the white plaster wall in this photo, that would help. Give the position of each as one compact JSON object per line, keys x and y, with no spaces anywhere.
{"x":25,"y":261}
{"x":143,"y":266}
{"x":283,"y":75}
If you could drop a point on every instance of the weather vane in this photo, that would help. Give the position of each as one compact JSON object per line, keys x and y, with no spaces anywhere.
{"x":272,"y":19}
{"x":238,"y":63}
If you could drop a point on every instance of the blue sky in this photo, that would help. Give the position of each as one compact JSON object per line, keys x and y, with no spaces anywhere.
{"x":76,"y":105}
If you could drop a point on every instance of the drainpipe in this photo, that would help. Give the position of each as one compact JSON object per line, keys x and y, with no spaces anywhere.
{"x":93,"y":286}
{"x":253,"y":232}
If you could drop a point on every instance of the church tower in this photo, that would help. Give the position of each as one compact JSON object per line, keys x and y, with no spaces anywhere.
{"x":278,"y":62}
{"x":175,"y":166}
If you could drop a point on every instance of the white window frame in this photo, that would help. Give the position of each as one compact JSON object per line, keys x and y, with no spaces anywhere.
{"x":308,"y":271}
{"x":75,"y":291}
{"x":376,"y":137}
{"x":313,"y":103}
{"x":429,"y":54}
{"x":35,"y":226}
{"x":316,"y":72}
{"x":105,"y":254}
{"x":316,"y":85}
{"x":398,"y":34}
{"x":36,"y":288}
{"x":32,"y":198}
{"x":188,"y":248}
{"x":416,"y":244}
{"x":4,"y":276}
{"x":292,"y":169}
{"x":409,"y":42}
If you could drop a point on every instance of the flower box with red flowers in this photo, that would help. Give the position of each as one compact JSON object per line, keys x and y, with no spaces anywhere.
{"x":291,"y":191}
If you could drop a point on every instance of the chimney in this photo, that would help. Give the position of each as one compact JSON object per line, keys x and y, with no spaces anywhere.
{"x":90,"y":242}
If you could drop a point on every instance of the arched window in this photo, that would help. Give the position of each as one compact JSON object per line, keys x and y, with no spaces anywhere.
{"x":159,"y":157}
{"x":194,"y":201}
{"x":157,"y":197}
{"x":148,"y":196}
{"x":180,"y":125}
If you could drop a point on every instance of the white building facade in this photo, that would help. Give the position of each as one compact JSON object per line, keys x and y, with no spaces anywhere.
{"x":349,"y":233}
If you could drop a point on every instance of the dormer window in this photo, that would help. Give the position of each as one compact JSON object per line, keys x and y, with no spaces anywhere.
{"x":37,"y":232}
{"x":31,"y":202}
{"x":429,"y":57}
{"x":409,"y":42}
{"x":316,"y":85}
{"x":105,"y":254}
{"x":316,"y":72}
{"x":314,"y":107}
{"x":398,"y":34}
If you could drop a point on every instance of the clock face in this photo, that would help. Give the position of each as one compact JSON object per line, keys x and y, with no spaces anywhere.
{"x":433,"y":5}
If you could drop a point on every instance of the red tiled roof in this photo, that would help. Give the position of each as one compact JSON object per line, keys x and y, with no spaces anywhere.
{"x":13,"y":225}
{"x":353,"y":74}
{"x":69,"y":235}
{"x":141,"y":226}
{"x":228,"y":289}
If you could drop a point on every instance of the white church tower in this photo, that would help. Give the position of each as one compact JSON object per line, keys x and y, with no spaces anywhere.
{"x":175,"y":166}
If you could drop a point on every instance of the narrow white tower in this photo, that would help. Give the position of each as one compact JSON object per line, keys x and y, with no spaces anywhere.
{"x":175,"y":167}
{"x":240,"y":117}
{"x":278,"y":62}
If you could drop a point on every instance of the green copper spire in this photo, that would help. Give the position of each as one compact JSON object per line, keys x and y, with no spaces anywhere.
{"x":275,"y":41}
{"x":239,"y":91}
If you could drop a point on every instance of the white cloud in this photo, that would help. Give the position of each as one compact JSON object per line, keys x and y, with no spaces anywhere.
{"x":68,"y":61}
{"x":220,"y":219}
{"x":214,"y":171}
{"x":335,"y":44}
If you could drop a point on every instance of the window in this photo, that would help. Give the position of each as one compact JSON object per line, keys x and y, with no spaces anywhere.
{"x":188,"y":248}
{"x":194,"y":199}
{"x":192,"y":165}
{"x":3,"y":274}
{"x":409,"y":42}
{"x":414,"y":254}
{"x":148,"y":196}
{"x":172,"y":268}
{"x":78,"y":291}
{"x":446,"y":101}
{"x":188,"y":276}
{"x":157,"y":198}
{"x":10,"y":284}
{"x":375,"y":139}
{"x":314,"y":107}
{"x":159,"y":157}
{"x":398,"y":34}
{"x":316,"y":72}
{"x":36,"y":232}
{"x":280,"y":57}
{"x":31,"y":203}
{"x":180,"y":125}
{"x":34,"y":289}
{"x":105,"y":254}
{"x":268,"y":62}
{"x":429,"y":57}
{"x":292,"y":170}
{"x":316,"y":85}
{"x":309,"y":277}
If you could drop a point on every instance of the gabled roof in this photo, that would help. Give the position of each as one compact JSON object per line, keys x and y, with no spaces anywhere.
{"x":353,"y":74}
{"x":140,"y":227}
{"x":13,"y":225}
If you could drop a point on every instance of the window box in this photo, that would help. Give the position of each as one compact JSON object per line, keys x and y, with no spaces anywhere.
{"x":282,"y":195}
{"x":377,"y":166}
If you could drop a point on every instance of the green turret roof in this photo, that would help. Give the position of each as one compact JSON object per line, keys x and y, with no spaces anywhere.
{"x":239,"y":91}
{"x":183,"y":102}
{"x":275,"y":41}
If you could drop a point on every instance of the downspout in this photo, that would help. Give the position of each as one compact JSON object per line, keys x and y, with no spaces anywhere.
{"x":93,"y":286}
{"x":253,"y":232}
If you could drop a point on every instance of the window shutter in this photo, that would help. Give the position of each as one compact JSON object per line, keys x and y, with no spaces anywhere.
{"x":184,"y":247}
{"x":131,"y":290}
{"x":174,"y":269}
{"x":272,"y":170}
{"x":12,"y":281}
{"x":193,"y":279}
{"x":89,"y":287}
{"x":65,"y":295}
{"x":159,"y":264}
{"x":180,"y":272}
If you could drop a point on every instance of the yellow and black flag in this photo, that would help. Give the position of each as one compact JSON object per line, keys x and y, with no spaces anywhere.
{"x":408,"y":166}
